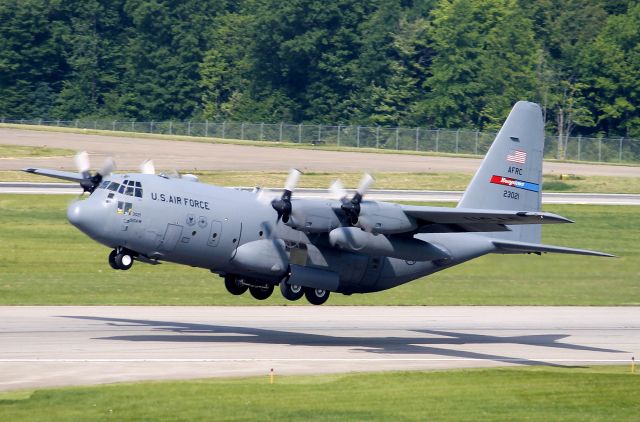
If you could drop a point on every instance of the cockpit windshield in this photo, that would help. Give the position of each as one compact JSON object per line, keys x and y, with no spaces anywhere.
{"x":131,"y":188}
{"x":128,"y":187}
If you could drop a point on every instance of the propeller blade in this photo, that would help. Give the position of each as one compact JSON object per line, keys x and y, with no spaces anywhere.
{"x":365,"y":184}
{"x":108,"y":167}
{"x":265,"y":197}
{"x":147,"y":167}
{"x":292,"y":180}
{"x":82,"y":162}
{"x":337,"y":190}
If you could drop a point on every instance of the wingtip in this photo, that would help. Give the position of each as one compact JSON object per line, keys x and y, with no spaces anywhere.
{"x":29,"y":170}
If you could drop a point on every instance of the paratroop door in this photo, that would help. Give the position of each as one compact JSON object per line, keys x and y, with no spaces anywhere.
{"x":171,"y":237}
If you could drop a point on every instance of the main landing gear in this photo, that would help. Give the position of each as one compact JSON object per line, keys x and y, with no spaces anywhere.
{"x":120,"y":259}
{"x":261,"y":290}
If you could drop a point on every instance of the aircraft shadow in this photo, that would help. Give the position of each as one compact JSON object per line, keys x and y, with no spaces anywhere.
{"x":171,"y":331}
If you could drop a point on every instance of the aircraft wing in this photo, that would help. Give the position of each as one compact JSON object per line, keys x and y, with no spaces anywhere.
{"x":64,"y":175}
{"x":509,"y":246}
{"x":438,"y":220}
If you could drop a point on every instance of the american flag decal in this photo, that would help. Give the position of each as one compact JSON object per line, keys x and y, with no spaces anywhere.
{"x":517,"y":156}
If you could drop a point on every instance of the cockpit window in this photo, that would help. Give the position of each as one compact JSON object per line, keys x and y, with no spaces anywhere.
{"x":104,"y":184}
{"x":113,"y":186}
{"x":131,"y":188}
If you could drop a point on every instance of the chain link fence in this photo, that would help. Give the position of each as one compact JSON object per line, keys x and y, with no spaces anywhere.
{"x":611,"y":150}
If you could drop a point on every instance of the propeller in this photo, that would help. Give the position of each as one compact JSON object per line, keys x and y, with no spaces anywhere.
{"x":337,"y":190}
{"x":282,"y":205}
{"x":147,"y":167}
{"x":90,"y":181}
{"x":352,"y":207}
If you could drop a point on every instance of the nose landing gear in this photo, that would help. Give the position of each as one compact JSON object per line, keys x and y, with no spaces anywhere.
{"x":120,"y":259}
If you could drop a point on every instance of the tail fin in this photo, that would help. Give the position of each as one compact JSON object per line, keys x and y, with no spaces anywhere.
{"x":510,"y":176}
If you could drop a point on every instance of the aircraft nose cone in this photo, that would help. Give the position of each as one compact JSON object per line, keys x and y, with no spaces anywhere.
{"x":83,"y":215}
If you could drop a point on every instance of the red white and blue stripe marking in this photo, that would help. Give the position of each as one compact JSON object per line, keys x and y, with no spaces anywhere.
{"x":514,"y":183}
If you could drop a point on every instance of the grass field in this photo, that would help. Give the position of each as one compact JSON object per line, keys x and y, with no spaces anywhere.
{"x":509,"y":394}
{"x":18,"y":151}
{"x":45,"y":260}
{"x":423,"y":181}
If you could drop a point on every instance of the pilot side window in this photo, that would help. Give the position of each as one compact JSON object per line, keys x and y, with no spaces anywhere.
{"x":113,"y":186}
{"x":104,"y":184}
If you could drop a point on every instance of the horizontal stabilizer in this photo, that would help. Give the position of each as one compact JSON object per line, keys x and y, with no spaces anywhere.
{"x":64,"y":175}
{"x":470,"y":216}
{"x":507,"y":246}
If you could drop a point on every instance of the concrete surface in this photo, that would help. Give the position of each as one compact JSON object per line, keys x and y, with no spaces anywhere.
{"x":52,"y":346}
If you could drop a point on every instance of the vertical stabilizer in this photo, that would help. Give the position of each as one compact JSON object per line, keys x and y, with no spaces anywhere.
{"x":510,"y":176}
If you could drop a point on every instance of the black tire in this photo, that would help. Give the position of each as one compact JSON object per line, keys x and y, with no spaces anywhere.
{"x":291,"y":291}
{"x":261,"y":293}
{"x":112,"y":260}
{"x":233,"y":285}
{"x":316,"y":296}
{"x":124,"y":261}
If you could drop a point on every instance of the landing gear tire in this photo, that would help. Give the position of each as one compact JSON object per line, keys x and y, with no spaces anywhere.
{"x":123,"y":261}
{"x":291,"y":291}
{"x":112,"y":260}
{"x":261,"y":293}
{"x":316,"y":296}
{"x":234,"y":286}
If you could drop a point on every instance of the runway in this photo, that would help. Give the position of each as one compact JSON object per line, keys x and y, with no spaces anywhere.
{"x":375,"y":194}
{"x":185,"y":155}
{"x":72,"y":345}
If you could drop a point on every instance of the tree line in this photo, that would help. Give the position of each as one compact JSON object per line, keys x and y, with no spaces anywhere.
{"x":434,"y":63}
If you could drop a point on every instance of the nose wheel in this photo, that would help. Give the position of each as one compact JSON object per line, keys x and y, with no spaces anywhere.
{"x":120,"y":260}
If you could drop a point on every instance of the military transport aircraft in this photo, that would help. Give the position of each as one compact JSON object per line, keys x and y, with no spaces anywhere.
{"x":311,"y":247}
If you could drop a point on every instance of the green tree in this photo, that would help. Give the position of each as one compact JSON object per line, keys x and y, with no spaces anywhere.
{"x":31,"y":65}
{"x":484,"y":61}
{"x":612,"y":74}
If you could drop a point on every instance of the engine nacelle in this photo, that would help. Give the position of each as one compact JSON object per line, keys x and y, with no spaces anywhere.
{"x":313,"y":216}
{"x":410,"y":249}
{"x":265,"y":257}
{"x":384,"y":218}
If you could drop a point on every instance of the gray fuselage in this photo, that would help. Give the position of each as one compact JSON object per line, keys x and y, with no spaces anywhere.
{"x":192,"y":223}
